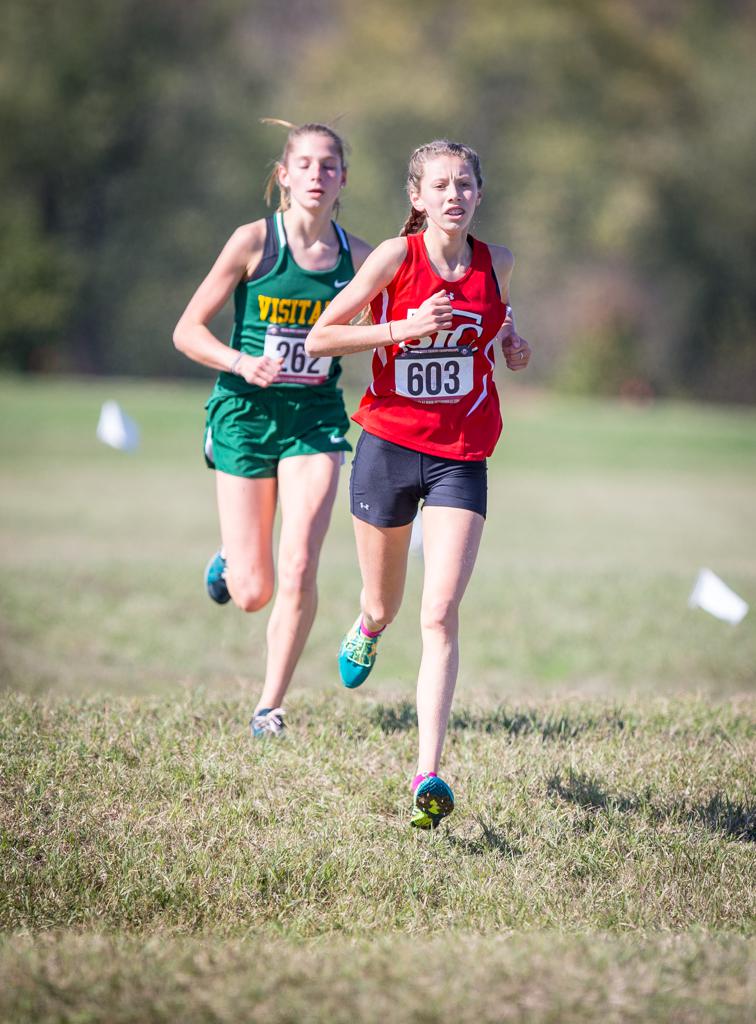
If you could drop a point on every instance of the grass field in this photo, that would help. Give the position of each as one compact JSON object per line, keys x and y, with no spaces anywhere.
{"x":155,"y":865}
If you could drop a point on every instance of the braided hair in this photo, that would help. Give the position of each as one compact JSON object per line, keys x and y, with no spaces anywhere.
{"x":440,"y":147}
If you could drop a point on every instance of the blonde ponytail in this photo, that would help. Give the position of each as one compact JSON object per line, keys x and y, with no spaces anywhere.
{"x":288,"y":125}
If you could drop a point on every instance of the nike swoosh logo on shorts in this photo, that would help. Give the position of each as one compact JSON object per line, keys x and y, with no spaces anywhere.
{"x":340,"y":284}
{"x":336,"y":438}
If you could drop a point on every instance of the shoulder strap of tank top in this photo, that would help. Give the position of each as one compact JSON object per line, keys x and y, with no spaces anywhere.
{"x":280,"y":229}
{"x":271,"y":250}
{"x":342,"y":235}
{"x":413,"y":253}
{"x":482,"y":253}
{"x":269,"y":256}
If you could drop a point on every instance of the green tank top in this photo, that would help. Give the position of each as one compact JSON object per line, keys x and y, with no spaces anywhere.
{"x":275,"y":311}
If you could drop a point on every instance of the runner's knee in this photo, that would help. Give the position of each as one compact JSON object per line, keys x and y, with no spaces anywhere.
{"x":297,"y":573}
{"x":439,"y":615}
{"x":380,"y":611}
{"x":250,"y":593}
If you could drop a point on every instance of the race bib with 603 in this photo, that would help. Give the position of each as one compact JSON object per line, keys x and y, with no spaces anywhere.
{"x":434,"y":375}
{"x":288,"y":343}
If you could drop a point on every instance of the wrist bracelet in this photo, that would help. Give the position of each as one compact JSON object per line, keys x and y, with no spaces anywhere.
{"x":391,"y":333}
{"x":233,"y":368}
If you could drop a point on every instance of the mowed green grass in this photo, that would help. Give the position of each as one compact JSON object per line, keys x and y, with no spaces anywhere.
{"x":156,"y":865}
{"x":600,"y":516}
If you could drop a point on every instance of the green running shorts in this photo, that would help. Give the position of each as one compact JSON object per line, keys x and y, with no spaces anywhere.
{"x":247,"y":435}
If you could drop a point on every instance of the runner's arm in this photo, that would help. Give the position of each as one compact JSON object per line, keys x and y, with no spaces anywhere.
{"x":192,"y":335}
{"x":503,"y":264}
{"x":516,"y":350}
{"x":360,"y":250}
{"x":334,"y":334}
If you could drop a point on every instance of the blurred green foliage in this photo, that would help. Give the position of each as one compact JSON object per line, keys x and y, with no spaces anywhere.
{"x":618,"y":140}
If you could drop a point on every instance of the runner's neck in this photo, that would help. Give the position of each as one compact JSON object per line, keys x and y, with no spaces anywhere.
{"x":311,"y":237}
{"x":449,"y":255}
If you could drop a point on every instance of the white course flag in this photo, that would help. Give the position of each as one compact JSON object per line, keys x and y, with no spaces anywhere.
{"x":116,"y":428}
{"x":715,"y":597}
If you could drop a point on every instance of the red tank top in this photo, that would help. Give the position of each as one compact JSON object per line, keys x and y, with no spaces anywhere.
{"x":436,"y":394}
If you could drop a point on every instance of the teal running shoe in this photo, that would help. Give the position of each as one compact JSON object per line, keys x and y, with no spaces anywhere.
{"x":215,"y":579}
{"x":357,"y":656}
{"x":268,"y":722}
{"x":433,"y":801}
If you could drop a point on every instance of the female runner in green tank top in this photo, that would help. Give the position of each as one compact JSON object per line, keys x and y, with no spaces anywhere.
{"x":276,"y":421}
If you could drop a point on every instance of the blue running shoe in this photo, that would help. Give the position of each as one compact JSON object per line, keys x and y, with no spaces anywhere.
{"x":267,"y":722}
{"x":433,"y":801}
{"x":357,"y":656}
{"x":215,"y":579}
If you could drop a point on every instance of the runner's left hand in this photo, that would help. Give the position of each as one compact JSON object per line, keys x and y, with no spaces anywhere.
{"x":516,"y":350}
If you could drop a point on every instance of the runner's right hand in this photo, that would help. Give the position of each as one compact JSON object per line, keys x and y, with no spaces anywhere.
{"x":259,"y":370}
{"x":433,"y":315}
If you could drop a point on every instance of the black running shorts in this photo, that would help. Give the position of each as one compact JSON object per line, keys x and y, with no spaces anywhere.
{"x":389,"y":481}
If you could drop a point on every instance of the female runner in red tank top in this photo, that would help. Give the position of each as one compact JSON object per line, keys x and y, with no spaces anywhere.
{"x":430,"y":418}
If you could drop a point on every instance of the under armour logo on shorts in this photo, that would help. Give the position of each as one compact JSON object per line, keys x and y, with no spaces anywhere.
{"x":363,"y":505}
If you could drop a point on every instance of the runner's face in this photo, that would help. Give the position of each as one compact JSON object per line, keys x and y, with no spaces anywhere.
{"x":448,"y":193}
{"x":313,"y":173}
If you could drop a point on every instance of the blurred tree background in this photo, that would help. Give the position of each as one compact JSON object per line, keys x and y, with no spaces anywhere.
{"x":618,"y":140}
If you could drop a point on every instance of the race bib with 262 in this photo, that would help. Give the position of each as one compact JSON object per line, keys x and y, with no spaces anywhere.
{"x":288,"y":343}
